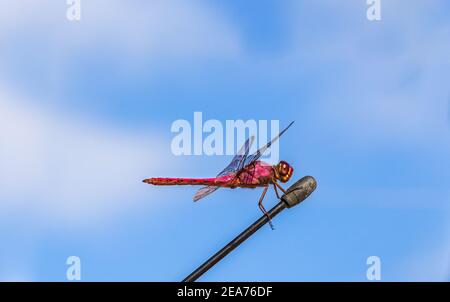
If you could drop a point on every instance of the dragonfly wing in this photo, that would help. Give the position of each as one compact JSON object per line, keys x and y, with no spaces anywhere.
{"x":233,"y":167}
{"x":202,"y":192}
{"x":239,"y":158}
{"x":254,"y":157}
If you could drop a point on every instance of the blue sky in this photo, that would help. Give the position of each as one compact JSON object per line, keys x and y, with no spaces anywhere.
{"x":85,"y":115}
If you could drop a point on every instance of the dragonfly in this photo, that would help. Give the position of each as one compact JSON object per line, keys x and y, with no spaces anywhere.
{"x":244,"y":171}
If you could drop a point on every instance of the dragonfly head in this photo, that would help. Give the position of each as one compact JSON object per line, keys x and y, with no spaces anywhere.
{"x":283,"y":171}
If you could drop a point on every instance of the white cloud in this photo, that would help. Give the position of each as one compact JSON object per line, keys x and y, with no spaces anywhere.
{"x":61,"y":170}
{"x":394,"y":87}
{"x":67,"y":169}
{"x":133,"y":29}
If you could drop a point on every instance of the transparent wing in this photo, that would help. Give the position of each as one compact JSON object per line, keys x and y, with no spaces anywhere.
{"x":233,"y":167}
{"x":239,"y":158}
{"x":254,"y":157}
{"x":204,"y":191}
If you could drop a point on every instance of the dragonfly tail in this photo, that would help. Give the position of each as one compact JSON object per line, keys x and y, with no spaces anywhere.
{"x":157,"y":181}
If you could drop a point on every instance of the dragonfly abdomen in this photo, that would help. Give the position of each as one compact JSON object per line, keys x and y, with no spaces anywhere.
{"x":165,"y":181}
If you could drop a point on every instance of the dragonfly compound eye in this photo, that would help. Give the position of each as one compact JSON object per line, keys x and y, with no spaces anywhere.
{"x":284,"y":171}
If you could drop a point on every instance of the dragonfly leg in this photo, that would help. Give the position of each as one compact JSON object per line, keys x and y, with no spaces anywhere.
{"x":276,"y":191}
{"x":280,"y":187}
{"x":261,"y":206}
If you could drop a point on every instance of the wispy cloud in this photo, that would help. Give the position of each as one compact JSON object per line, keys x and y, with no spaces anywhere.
{"x":391,"y":76}
{"x":61,"y":169}
{"x":127,"y":30}
{"x":69,"y":168}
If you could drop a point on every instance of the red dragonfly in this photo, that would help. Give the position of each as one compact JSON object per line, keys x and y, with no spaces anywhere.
{"x":244,"y":171}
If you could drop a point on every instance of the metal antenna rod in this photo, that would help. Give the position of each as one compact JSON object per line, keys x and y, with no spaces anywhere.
{"x":294,"y":195}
